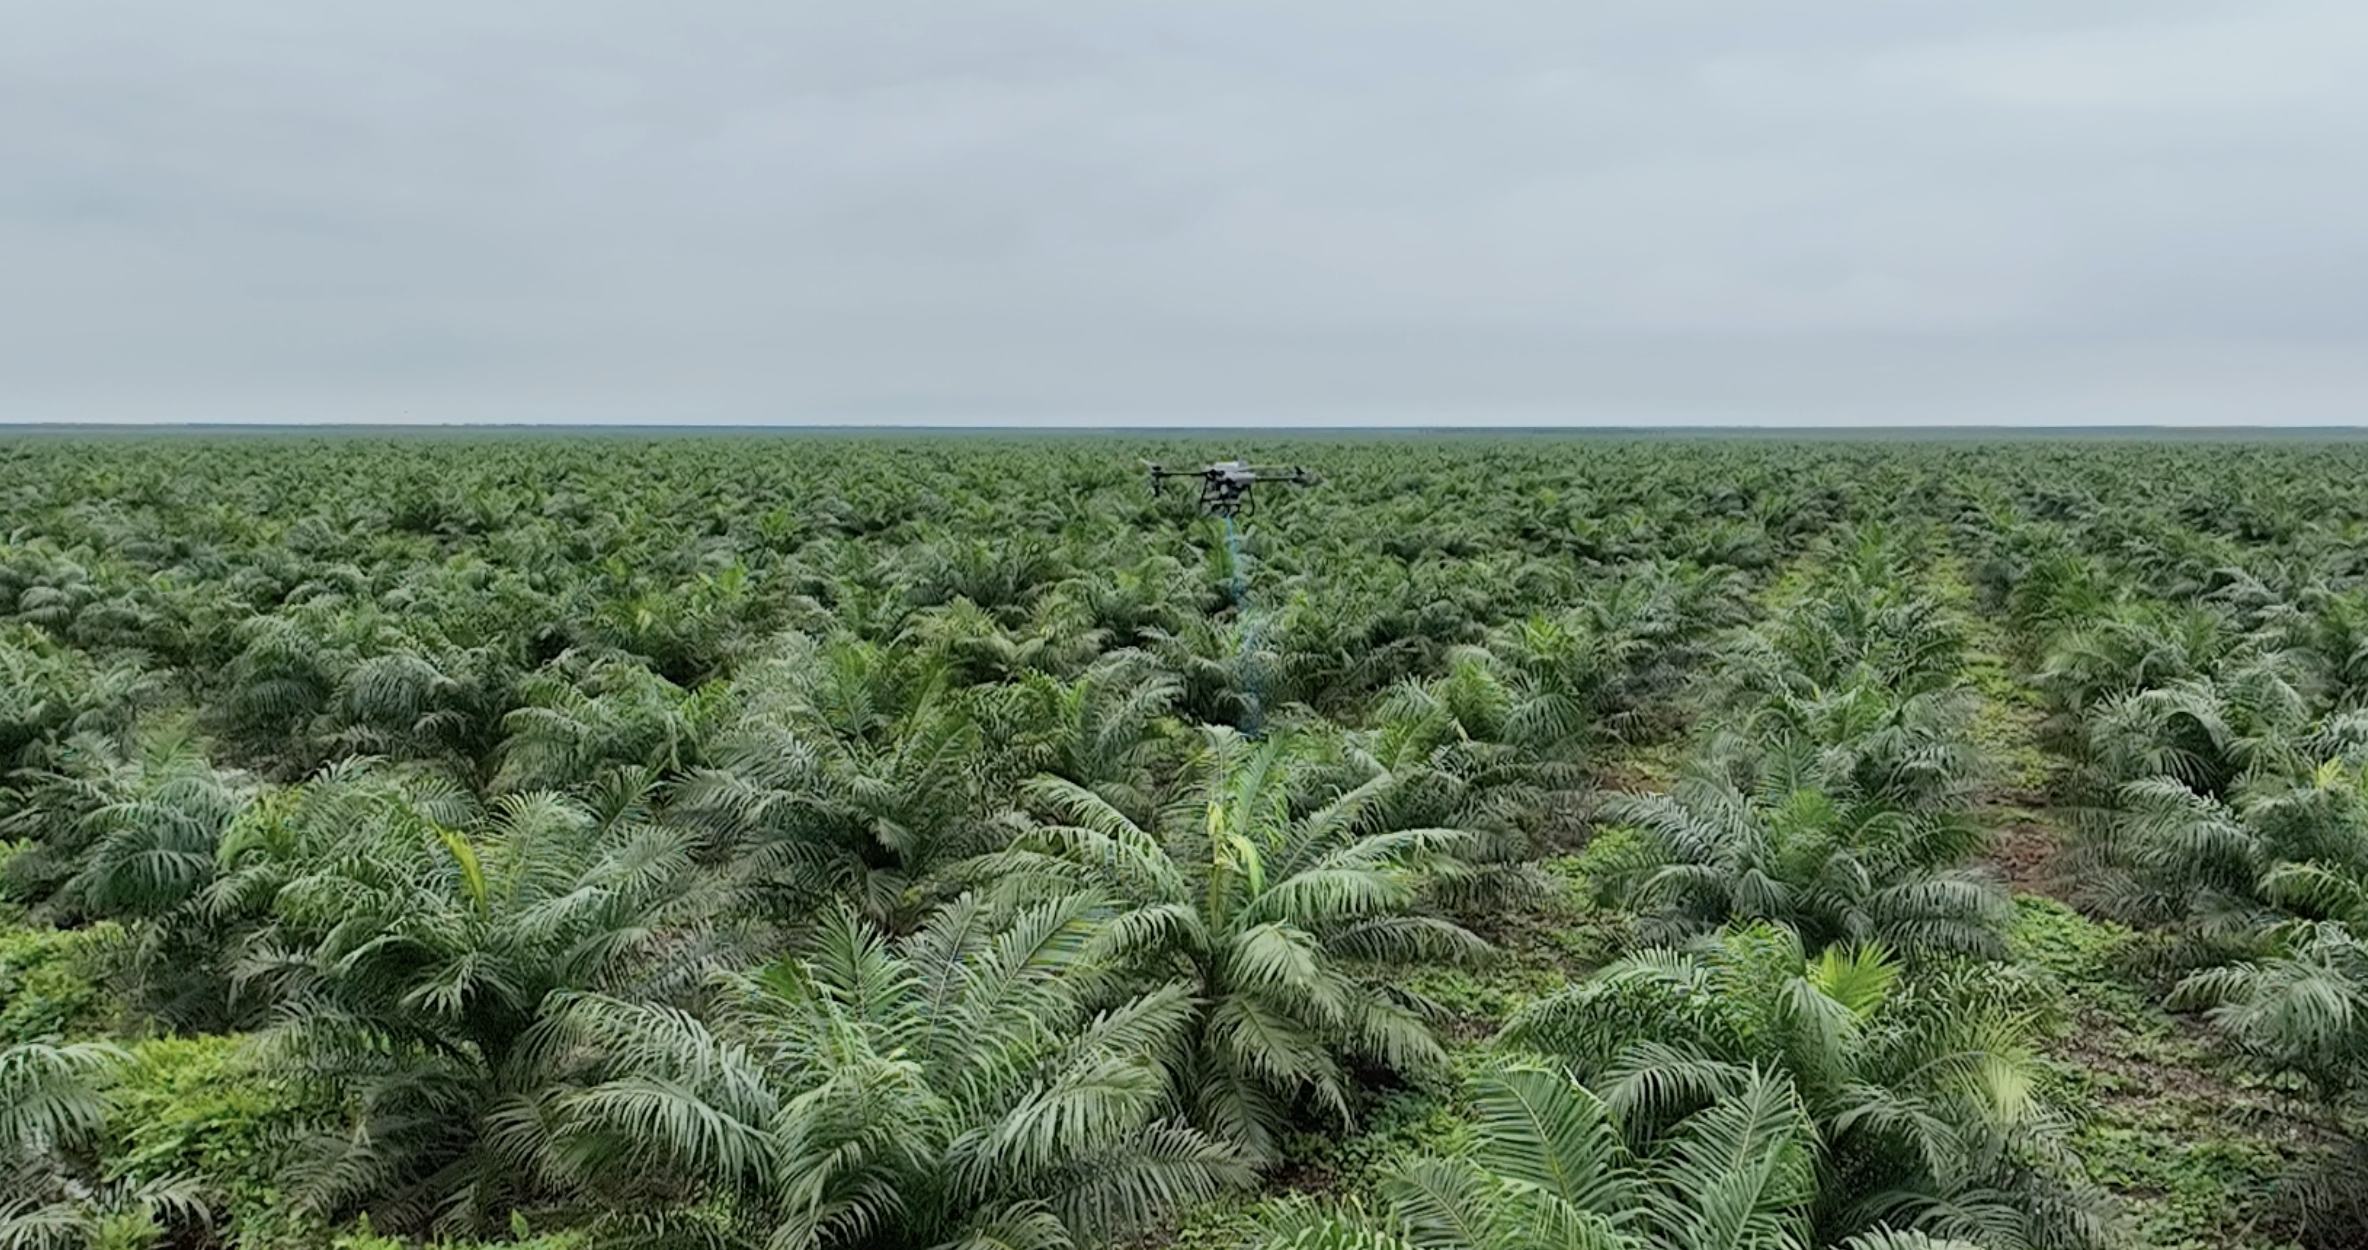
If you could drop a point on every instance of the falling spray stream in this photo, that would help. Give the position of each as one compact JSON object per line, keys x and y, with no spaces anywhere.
{"x":1247,"y":660}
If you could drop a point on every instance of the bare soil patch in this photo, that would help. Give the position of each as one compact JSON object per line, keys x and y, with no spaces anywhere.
{"x":2024,"y":849}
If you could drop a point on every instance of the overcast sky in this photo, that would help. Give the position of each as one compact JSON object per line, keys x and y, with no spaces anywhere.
{"x":1198,"y":211}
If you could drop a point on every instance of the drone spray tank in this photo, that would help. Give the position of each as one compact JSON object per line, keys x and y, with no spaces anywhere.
{"x":1225,"y":492}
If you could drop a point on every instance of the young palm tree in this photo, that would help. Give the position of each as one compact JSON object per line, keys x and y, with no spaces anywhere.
{"x":1832,"y":869}
{"x":51,"y":694}
{"x":53,"y":1191}
{"x":1564,"y":675}
{"x":974,"y":649}
{"x":2145,"y":647}
{"x":1550,"y":1167}
{"x":154,"y":829}
{"x":846,"y":769}
{"x":1131,"y":605}
{"x":147,"y":805}
{"x":1004,"y":577}
{"x":2053,"y":588}
{"x":1527,"y":709}
{"x":1208,"y":657}
{"x":2300,"y":1008}
{"x":1269,"y":911}
{"x":1437,"y":751}
{"x":1861,"y":622}
{"x":2330,"y":633}
{"x":2207,"y":733}
{"x":339,"y":672}
{"x":952,"y":1088}
{"x":585,"y":714}
{"x":1109,"y":730}
{"x":685,"y":630}
{"x":443,"y":706}
{"x":2164,"y":853}
{"x":1924,"y":1090}
{"x":411,"y":946}
{"x":1863,"y":742}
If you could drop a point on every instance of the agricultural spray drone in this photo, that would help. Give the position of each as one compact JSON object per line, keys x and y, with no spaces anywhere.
{"x":1225,"y":485}
{"x":1225,"y":493}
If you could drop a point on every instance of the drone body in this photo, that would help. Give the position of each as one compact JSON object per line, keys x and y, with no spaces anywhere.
{"x":1225,"y":485}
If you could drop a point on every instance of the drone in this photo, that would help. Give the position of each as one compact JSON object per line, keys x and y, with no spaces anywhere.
{"x":1225,"y":485}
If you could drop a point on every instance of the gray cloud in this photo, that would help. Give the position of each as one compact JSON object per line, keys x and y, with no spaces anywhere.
{"x":1334,"y":211}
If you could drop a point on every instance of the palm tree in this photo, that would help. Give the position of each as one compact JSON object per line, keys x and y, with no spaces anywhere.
{"x":53,"y":1191}
{"x":2330,"y":632}
{"x":1109,"y":730}
{"x":974,"y":648}
{"x":407,"y":704}
{"x":2221,"y":685}
{"x":1864,"y":742}
{"x":153,"y":830}
{"x":1861,"y":621}
{"x":1208,"y":657}
{"x":52,"y":1095}
{"x":51,"y":694}
{"x":685,"y":630}
{"x":120,"y":826}
{"x":2165,"y":853}
{"x":2300,"y":1008}
{"x":1130,"y":605}
{"x":410,"y":946}
{"x":1563,"y":675}
{"x":1550,"y":1167}
{"x":1832,"y":869}
{"x":584,"y":714}
{"x":2207,"y":732}
{"x":847,"y":769}
{"x":953,"y":1088}
{"x":1268,"y":910}
{"x":1924,"y":1089}
{"x":1529,"y":706}
{"x":1469,"y":751}
{"x":1003,"y":578}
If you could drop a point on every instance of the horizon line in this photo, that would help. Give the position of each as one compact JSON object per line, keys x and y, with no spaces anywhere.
{"x":8,"y":429}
